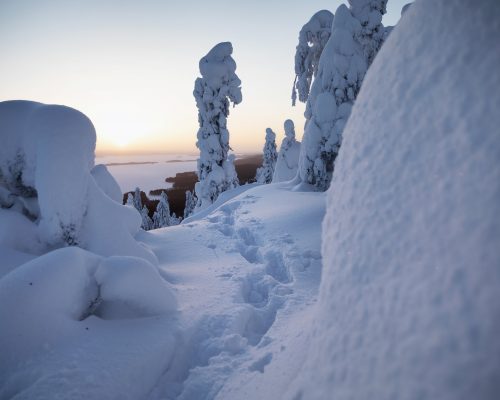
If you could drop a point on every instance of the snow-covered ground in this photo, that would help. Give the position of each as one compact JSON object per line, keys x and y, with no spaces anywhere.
{"x":241,"y":278}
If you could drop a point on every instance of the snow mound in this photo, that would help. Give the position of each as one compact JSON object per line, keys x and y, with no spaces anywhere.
{"x":131,"y":287}
{"x":47,"y":151}
{"x":107,"y":183}
{"x":410,"y":296}
{"x":47,"y":173}
{"x":39,"y":299}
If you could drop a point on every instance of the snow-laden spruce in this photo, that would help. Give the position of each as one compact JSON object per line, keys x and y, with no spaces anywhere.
{"x":47,"y":173}
{"x":161,"y":217}
{"x":190,"y":204}
{"x":409,"y":303}
{"x":218,"y":87}
{"x":312,"y":39}
{"x":288,"y":156}
{"x":357,"y":34}
{"x":270,"y":155}
{"x":137,"y":199}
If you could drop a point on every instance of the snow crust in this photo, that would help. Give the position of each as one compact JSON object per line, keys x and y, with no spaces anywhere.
{"x":409,"y":302}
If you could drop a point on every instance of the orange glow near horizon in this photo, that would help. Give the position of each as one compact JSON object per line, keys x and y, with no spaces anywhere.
{"x":130,"y":66}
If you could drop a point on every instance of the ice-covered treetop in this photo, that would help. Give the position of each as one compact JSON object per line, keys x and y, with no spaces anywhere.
{"x":218,"y":70}
{"x":289,"y":129}
{"x":312,"y":39}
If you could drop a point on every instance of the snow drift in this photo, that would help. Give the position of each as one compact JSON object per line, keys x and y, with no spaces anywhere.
{"x":410,"y":296}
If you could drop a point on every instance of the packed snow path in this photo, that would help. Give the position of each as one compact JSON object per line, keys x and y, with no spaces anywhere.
{"x":242,"y":274}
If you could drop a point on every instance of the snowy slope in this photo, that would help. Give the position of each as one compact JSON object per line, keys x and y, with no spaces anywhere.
{"x":240,"y":274}
{"x":409,"y":303}
{"x":242,"y":278}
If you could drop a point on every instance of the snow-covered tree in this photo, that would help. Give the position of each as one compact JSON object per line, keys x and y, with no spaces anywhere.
{"x":218,"y":87}
{"x":312,"y":39}
{"x":190,"y":204}
{"x":161,"y":217}
{"x":147,"y":222}
{"x":357,"y":34}
{"x":137,"y":199}
{"x":174,"y":220}
{"x":288,"y":156}
{"x":265,"y":173}
{"x":130,"y":200}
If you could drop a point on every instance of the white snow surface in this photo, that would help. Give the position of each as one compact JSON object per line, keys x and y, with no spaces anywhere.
{"x":214,"y":323}
{"x":409,"y":303}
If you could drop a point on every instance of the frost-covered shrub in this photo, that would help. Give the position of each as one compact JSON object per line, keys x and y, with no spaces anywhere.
{"x":47,"y":173}
{"x":357,"y":34}
{"x":288,"y":156}
{"x":214,"y":91}
{"x":312,"y":39}
{"x":265,"y":173}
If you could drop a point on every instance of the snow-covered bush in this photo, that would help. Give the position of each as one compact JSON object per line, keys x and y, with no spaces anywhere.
{"x":288,"y":156}
{"x":174,"y":220}
{"x":409,"y":302}
{"x":47,"y":173}
{"x":270,"y":155}
{"x":357,"y":34}
{"x":312,"y":39}
{"x":214,"y":91}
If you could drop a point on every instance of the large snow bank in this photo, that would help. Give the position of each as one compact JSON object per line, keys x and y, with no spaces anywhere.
{"x":47,"y":173}
{"x":410,"y":297}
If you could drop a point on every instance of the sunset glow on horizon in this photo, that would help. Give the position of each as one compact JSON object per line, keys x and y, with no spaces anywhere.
{"x":131,"y":66}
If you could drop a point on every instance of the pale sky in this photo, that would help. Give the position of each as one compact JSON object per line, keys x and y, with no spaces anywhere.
{"x":130,"y":65}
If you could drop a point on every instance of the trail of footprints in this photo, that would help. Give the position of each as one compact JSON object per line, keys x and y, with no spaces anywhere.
{"x":264,"y":288}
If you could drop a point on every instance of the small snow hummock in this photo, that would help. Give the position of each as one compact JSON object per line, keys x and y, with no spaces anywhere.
{"x":265,"y":173}
{"x":312,"y":39}
{"x":357,"y":34}
{"x":409,"y":301}
{"x":214,"y":91}
{"x":288,"y":156}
